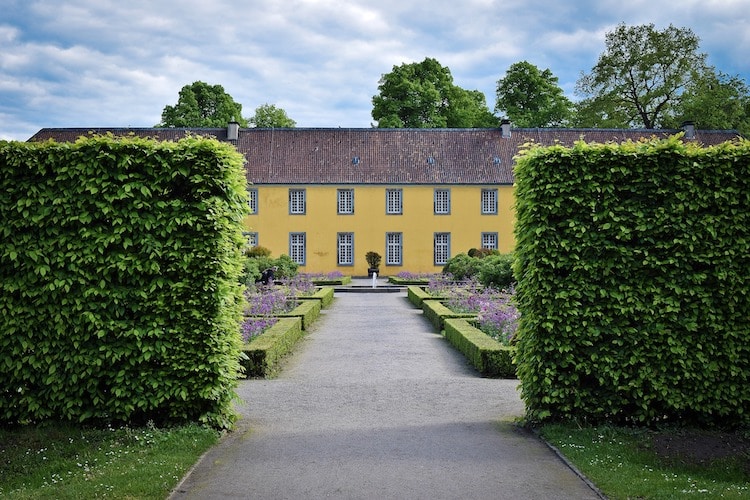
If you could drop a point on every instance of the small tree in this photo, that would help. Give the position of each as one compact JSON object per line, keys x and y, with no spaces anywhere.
{"x":202,"y":105}
{"x":373,"y":259}
{"x":269,"y":116}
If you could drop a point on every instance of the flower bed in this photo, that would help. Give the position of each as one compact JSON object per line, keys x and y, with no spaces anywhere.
{"x":276,"y":318}
{"x":496,"y":312}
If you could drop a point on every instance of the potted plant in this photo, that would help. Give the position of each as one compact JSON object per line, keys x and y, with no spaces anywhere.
{"x":373,"y":262}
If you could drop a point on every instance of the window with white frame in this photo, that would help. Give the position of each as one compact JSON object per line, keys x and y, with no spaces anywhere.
{"x":489,"y":240}
{"x":297,"y":247}
{"x":345,"y":201}
{"x":442,"y":201}
{"x":393,"y":201}
{"x":393,"y":249}
{"x":489,"y":201}
{"x":296,"y":201}
{"x":252,"y":238}
{"x":442,"y":248}
{"x":346,"y":249}
{"x":253,"y":202}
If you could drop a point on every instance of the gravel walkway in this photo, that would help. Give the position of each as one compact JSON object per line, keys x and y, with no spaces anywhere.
{"x":374,"y":404}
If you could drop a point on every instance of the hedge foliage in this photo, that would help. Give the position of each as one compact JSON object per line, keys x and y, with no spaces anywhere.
{"x":119,"y":265}
{"x":633,"y":264}
{"x":264,"y":353}
{"x":487,"y":355}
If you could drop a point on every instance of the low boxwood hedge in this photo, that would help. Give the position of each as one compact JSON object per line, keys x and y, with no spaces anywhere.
{"x":437,"y":313}
{"x":324,"y":295}
{"x":262,"y":354}
{"x":307,"y":310}
{"x":487,"y":355}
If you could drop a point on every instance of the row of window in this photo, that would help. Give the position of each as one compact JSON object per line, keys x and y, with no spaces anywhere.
{"x":393,"y":201}
{"x":393,"y":247}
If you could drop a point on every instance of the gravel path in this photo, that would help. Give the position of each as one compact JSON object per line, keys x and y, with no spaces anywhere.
{"x":374,"y":404}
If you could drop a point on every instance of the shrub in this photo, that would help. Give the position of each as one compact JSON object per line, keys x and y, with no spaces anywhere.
{"x":497,"y":271}
{"x":257,"y":251}
{"x":462,"y":267}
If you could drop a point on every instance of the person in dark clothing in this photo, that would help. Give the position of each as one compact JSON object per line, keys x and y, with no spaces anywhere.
{"x":266,"y":277}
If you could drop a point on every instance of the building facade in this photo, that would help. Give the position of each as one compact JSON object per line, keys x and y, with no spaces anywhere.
{"x":327,"y":196}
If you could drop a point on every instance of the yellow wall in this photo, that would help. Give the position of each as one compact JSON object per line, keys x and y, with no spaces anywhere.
{"x":369,"y":223}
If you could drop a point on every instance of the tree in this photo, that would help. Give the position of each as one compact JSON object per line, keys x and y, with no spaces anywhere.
{"x":202,"y":105}
{"x":422,"y":95}
{"x":269,"y":116}
{"x":716,"y":100}
{"x":532,"y":98}
{"x":640,"y":77}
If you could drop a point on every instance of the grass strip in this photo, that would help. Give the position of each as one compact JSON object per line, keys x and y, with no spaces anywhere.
{"x":635,"y":463}
{"x":66,"y":462}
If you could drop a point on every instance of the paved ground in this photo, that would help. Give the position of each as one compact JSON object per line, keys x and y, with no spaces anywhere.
{"x":374,"y":404}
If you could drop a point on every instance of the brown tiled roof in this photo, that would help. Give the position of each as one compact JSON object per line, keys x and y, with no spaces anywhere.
{"x":385,"y":156}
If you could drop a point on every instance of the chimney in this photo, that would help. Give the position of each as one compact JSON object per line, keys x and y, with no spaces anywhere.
{"x":233,"y":130}
{"x":689,"y":129}
{"x":505,"y":128}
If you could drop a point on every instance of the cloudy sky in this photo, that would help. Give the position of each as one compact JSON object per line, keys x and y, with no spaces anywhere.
{"x":113,"y":63}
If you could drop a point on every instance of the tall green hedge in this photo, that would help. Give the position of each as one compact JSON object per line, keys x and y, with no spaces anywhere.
{"x":119,"y":294}
{"x":633,"y":269}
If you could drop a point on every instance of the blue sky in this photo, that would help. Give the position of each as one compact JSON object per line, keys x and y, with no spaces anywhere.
{"x":109,"y":63}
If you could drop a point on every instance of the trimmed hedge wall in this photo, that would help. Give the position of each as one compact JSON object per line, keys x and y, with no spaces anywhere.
{"x":119,"y":292}
{"x":417,"y":294}
{"x":488,"y":356}
{"x":324,"y":295}
{"x":633,"y":264}
{"x":437,"y":313}
{"x":307,"y":310}
{"x":265,"y":352}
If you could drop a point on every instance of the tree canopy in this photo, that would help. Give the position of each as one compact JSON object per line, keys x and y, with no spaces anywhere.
{"x":638,"y":80}
{"x":532,"y":98}
{"x":423,"y":95}
{"x":269,"y":116}
{"x":202,"y":105}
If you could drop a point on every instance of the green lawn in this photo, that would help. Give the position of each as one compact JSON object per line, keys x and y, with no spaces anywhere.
{"x":644,"y":464}
{"x":64,"y":462}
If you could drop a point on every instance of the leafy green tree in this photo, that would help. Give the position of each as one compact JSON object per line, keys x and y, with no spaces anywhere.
{"x":202,"y":105}
{"x":422,"y":95}
{"x":269,"y":116}
{"x":716,"y":101}
{"x":638,"y":80}
{"x":532,"y":98}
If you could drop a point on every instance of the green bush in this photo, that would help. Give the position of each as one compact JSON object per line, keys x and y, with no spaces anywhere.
{"x":633,"y":262}
{"x":254,"y":266}
{"x":497,"y":271}
{"x":462,"y":267}
{"x":119,"y":269}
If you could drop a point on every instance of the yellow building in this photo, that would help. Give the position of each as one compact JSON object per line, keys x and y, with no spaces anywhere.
{"x":327,"y":196}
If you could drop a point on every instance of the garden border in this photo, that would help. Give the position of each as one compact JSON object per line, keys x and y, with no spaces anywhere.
{"x":263,"y":354}
{"x":487,"y":355}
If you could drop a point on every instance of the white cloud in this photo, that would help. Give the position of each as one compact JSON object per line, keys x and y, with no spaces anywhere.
{"x":113,"y":63}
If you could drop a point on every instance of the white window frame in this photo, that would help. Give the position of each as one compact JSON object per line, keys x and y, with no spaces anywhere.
{"x":394,"y":249}
{"x":297,"y":201}
{"x":345,"y":249}
{"x":394,"y":201}
{"x":489,"y":201}
{"x":442,"y":248}
{"x":489,"y":240}
{"x":298,"y":247}
{"x":442,"y":201}
{"x":345,"y":201}
{"x":253,"y":200}
{"x":251,"y":237}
